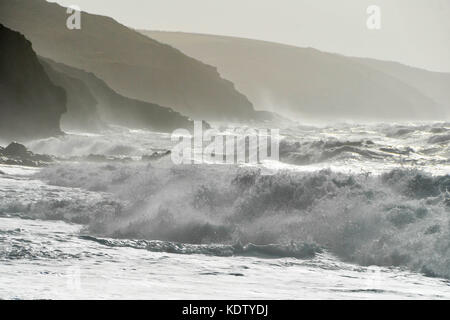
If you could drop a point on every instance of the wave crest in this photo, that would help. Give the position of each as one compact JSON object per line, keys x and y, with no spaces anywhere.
{"x":399,"y":218}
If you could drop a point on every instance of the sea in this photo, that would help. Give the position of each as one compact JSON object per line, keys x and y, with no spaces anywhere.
{"x":348,"y":211}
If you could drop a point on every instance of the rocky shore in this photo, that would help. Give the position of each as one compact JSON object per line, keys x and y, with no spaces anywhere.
{"x":17,"y":154}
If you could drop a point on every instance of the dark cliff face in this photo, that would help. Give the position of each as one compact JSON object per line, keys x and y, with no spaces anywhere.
{"x":92,"y":104}
{"x":82,"y":113}
{"x":30,"y":104}
{"x":130,"y":63}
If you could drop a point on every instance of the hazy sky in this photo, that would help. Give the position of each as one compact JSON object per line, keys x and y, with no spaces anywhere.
{"x":414,"y":32}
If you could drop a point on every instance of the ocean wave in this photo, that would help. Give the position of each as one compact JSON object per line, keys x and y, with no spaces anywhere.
{"x":32,"y":199}
{"x":80,"y":145}
{"x":293,"y":250}
{"x":24,"y":252}
{"x":400,"y":218}
{"x":69,"y":210}
{"x":394,"y":144}
{"x":401,"y":131}
{"x":438,"y":139}
{"x":115,"y":142}
{"x":310,"y":152}
{"x":426,"y":150}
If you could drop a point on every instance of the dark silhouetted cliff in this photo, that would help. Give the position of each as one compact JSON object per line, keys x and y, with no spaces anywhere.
{"x":130,"y":63}
{"x":30,"y":104}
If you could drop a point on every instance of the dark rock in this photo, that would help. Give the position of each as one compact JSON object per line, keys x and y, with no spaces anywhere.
{"x":30,"y":104}
{"x":15,"y":149}
{"x":155,"y":155}
{"x":96,"y":157}
{"x":130,"y":63}
{"x":17,"y":154}
{"x":82,"y":112}
{"x":93,"y":104}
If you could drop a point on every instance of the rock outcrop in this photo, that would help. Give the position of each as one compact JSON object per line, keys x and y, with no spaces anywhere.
{"x":82,"y":113}
{"x":30,"y":104}
{"x":17,"y":154}
{"x":93,"y":104}
{"x":130,"y":63}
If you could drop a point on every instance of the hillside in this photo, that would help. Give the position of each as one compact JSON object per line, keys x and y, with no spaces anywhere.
{"x":92,"y":104}
{"x":130,"y":63}
{"x":308,"y":83}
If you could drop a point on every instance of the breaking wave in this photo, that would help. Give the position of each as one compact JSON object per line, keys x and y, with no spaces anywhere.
{"x":333,"y":150}
{"x":400,"y":218}
{"x":426,"y":145}
{"x":293,"y":250}
{"x":115,"y":142}
{"x":326,"y":150}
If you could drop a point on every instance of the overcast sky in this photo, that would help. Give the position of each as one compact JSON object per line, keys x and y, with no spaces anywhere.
{"x":414,"y":32}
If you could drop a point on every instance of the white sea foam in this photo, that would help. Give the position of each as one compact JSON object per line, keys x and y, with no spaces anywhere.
{"x":398,"y":218}
{"x":367,"y":194}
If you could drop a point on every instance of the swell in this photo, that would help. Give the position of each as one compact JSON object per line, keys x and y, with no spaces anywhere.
{"x":393,"y":143}
{"x":400,"y":218}
{"x":331,"y":150}
{"x":293,"y":250}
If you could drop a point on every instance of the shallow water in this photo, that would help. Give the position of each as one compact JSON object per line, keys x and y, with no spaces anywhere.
{"x":53,"y":262}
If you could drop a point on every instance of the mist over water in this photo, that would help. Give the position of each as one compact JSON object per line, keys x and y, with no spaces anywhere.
{"x":364,"y":194}
{"x":396,"y":219}
{"x":370,"y":194}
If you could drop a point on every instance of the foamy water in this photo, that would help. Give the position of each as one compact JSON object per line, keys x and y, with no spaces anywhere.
{"x":350,"y":211}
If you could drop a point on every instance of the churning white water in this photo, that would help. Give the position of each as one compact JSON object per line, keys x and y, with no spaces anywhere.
{"x":349,"y":211}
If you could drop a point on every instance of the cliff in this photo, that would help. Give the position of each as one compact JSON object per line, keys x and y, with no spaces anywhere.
{"x":130,"y":63}
{"x":30,"y":104}
{"x":310,"y":84}
{"x":93,"y":104}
